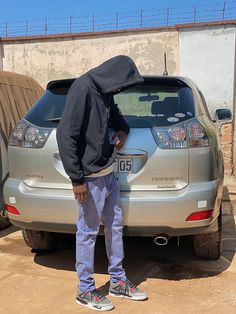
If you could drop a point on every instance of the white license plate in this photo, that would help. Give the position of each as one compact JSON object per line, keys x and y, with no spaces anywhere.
{"x":124,"y":165}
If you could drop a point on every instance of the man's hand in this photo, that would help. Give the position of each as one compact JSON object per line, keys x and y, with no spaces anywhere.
{"x":80,"y":192}
{"x":121,"y":135}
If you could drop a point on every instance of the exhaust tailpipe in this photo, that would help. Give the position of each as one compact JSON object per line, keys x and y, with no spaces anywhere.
{"x":161,"y":239}
{"x":4,"y":214}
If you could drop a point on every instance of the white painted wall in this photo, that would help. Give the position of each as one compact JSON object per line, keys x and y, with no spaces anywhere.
{"x":207,"y":55}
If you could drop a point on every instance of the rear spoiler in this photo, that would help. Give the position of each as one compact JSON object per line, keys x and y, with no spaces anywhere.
{"x":60,"y":83}
{"x":162,"y":80}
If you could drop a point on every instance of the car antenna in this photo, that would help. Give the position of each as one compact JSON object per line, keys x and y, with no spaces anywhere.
{"x":165,"y":73}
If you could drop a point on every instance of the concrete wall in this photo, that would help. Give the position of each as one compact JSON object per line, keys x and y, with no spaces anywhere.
{"x":47,"y":60}
{"x":1,"y":56}
{"x":207,"y":55}
{"x":204,"y":52}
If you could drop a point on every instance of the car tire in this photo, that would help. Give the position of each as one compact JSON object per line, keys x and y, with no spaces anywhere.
{"x":39,"y":240}
{"x":209,"y":245}
{"x":4,"y":222}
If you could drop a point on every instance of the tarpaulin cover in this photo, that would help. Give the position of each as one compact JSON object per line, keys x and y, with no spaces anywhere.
{"x":17,"y":95}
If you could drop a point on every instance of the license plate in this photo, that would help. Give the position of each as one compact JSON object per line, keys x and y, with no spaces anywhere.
{"x":124,"y":165}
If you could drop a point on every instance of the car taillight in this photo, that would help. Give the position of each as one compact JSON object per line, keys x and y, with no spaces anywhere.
{"x":204,"y":214}
{"x":12,"y":210}
{"x":177,"y":134}
{"x":171,"y":137}
{"x":27,"y":135}
{"x":182,"y":135}
{"x":197,"y":135}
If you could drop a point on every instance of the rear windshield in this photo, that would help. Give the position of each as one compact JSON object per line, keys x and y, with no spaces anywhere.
{"x":153,"y":105}
{"x":145,"y":105}
{"x":49,"y":108}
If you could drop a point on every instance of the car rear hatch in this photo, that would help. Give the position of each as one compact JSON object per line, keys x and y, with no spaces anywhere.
{"x":156,"y":152}
{"x":155,"y":156}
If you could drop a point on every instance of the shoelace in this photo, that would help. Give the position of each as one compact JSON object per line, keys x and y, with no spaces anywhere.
{"x":129,"y":286}
{"x":97,"y":295}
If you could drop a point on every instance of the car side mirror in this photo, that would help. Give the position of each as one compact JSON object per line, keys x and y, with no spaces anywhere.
{"x":223,"y":115}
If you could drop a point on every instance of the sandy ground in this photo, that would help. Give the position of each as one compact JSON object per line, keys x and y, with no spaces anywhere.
{"x":175,"y":280}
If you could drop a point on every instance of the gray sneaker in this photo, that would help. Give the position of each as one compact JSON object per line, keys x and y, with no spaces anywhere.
{"x":126,"y":289}
{"x":94,"y":300}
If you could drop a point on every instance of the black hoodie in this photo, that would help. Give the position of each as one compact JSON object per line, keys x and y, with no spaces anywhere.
{"x":83,"y":132}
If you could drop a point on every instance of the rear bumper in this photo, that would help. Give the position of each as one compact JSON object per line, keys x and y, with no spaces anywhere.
{"x":145,"y":213}
{"x":127,"y":231}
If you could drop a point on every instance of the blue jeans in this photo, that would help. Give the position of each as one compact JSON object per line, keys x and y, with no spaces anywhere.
{"x":102,"y":205}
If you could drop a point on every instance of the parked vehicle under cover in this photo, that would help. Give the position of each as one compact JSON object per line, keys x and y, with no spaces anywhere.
{"x":17,"y":95}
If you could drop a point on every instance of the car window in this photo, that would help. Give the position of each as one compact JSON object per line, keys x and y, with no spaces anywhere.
{"x":149,"y":105}
{"x":145,"y":105}
{"x":49,"y":107}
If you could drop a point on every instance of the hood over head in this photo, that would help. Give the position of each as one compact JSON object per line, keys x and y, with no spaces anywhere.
{"x":115,"y":74}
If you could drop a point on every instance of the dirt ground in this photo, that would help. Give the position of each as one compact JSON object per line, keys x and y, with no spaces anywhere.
{"x":175,"y":280}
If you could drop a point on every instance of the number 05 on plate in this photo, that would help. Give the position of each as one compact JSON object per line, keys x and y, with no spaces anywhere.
{"x":124,"y":165}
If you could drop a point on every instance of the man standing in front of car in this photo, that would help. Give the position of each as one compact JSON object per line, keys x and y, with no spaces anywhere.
{"x":87,"y":156}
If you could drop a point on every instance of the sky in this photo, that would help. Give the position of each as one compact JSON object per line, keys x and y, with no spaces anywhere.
{"x":29,"y":17}
{"x":18,"y":10}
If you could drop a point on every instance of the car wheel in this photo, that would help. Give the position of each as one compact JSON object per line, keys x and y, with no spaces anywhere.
{"x":209,"y":245}
{"x":4,"y":221}
{"x":39,"y":240}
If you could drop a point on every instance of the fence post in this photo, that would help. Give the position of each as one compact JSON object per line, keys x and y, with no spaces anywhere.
{"x":93,"y":22}
{"x":70,"y":24}
{"x":141,"y":19}
{"x":223,"y":11}
{"x":117,"y":20}
{"x":194,"y":14}
{"x":167,"y":16}
{"x":26,"y":28}
{"x":6,"y":30}
{"x":46,"y":25}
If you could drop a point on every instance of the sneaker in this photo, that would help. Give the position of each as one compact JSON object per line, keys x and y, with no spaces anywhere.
{"x":126,"y":289}
{"x":94,"y":300}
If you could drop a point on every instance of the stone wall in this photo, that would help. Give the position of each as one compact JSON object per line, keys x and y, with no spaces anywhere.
{"x":226,"y":134}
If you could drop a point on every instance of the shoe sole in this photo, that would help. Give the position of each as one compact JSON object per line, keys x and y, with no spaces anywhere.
{"x":91,"y":307}
{"x":127,"y":297}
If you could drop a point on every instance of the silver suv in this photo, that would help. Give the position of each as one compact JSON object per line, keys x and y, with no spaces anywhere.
{"x":170,"y":170}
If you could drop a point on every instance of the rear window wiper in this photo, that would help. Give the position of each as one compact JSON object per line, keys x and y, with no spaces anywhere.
{"x":53,"y":119}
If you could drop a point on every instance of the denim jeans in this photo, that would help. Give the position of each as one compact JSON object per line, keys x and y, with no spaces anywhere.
{"x":102,"y":205}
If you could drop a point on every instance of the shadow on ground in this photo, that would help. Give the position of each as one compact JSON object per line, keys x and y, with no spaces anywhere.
{"x":143,"y":259}
{"x":7,"y":231}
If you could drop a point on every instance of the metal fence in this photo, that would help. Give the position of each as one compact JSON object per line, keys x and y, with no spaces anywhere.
{"x":219,"y":11}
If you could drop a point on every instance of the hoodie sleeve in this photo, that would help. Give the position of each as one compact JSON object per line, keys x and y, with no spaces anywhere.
{"x":69,"y":133}
{"x":117,"y":121}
